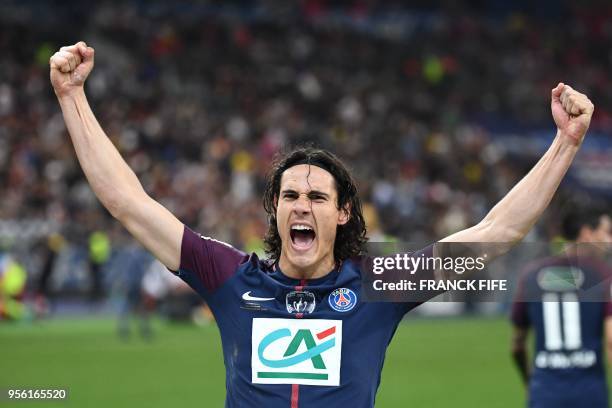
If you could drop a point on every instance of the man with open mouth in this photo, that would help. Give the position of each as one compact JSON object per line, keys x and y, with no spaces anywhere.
{"x":295,"y":329}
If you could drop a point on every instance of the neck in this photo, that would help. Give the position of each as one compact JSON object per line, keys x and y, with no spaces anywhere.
{"x":318,"y":270}
{"x":584,"y":249}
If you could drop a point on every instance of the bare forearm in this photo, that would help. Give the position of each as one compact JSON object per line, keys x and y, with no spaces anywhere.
{"x":512,"y":218}
{"x":108,"y":174}
{"x":520,"y":360}
{"x":518,"y":211}
{"x":110,"y":177}
{"x":519,"y":352}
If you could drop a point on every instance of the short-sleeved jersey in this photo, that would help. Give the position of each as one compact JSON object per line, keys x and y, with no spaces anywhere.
{"x":287,"y":342}
{"x":568,"y":364}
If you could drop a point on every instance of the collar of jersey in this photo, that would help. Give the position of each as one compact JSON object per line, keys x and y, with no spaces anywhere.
{"x":278,"y":274}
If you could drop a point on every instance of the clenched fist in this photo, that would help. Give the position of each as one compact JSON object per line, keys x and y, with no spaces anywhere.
{"x":572,"y":113}
{"x":70,"y":67}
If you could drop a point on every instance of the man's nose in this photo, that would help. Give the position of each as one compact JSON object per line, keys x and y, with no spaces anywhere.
{"x":302,"y":205}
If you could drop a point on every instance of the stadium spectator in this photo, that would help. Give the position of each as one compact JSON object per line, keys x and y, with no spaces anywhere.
{"x":51,"y":247}
{"x":133,"y":261}
{"x":12,"y":285}
{"x":99,"y":253}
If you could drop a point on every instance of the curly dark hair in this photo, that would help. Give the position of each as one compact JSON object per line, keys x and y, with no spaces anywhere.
{"x":350,"y":237}
{"x":581,"y":213}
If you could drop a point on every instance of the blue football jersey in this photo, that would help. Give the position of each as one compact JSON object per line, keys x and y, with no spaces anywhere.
{"x":568,"y":364}
{"x":287,"y":342}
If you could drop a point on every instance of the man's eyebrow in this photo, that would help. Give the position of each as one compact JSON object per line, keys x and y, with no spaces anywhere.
{"x":310,"y":193}
{"x":317,"y":192}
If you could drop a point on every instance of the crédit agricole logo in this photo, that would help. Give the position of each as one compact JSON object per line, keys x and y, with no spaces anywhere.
{"x":296,"y":351}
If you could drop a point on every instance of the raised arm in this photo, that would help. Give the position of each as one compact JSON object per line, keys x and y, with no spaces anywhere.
{"x":512,"y":218}
{"x":111,"y":179}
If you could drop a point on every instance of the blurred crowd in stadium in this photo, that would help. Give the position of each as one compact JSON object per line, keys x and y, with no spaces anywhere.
{"x":433,"y":109}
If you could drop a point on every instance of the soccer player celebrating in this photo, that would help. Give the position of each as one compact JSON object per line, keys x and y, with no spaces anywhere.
{"x":557,"y":298}
{"x":295,"y":329}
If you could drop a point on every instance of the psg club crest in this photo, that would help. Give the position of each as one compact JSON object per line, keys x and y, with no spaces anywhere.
{"x":342,"y":300}
{"x":300,"y":302}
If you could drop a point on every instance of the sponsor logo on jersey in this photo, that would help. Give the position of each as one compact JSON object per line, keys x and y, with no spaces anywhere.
{"x":300,"y":302}
{"x":560,"y":278}
{"x":342,"y":299}
{"x":296,"y":351}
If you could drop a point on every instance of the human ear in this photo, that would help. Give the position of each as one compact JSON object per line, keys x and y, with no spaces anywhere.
{"x":344,"y":215}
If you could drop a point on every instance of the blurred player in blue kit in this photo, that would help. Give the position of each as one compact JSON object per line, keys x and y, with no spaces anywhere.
{"x":572,"y":319}
{"x":295,"y":329}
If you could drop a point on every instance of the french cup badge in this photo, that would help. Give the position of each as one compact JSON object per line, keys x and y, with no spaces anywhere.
{"x":300,"y":302}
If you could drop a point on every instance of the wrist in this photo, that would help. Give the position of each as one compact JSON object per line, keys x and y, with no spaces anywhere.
{"x":568,"y":140}
{"x":71,"y":95}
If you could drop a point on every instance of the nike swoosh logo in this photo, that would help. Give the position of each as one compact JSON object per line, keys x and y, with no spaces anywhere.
{"x":247,"y":296}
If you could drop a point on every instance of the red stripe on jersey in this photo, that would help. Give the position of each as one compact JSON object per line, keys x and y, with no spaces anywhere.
{"x":295,"y":393}
{"x":301,"y":286}
{"x":326,"y":333}
{"x":295,"y":388}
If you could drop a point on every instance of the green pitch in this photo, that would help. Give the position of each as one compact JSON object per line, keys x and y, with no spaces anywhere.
{"x":431,"y":363}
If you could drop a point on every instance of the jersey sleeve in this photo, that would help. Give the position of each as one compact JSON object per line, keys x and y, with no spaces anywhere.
{"x":519,"y":315}
{"x":605,"y":276}
{"x":419,"y":274}
{"x":206,"y":264}
{"x":608,"y":309}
